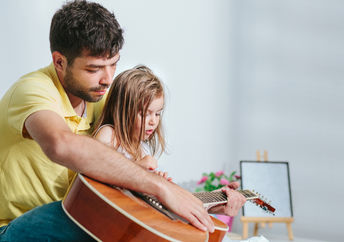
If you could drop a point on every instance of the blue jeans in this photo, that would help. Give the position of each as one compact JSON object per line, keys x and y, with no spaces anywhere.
{"x":45,"y":223}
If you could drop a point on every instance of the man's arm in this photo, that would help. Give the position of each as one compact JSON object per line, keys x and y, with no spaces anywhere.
{"x":90,"y":157}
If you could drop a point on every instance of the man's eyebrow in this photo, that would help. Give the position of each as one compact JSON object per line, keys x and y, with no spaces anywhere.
{"x":100,"y":66}
{"x":94,"y":66}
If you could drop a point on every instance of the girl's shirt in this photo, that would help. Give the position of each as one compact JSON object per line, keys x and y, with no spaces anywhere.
{"x":145,"y":149}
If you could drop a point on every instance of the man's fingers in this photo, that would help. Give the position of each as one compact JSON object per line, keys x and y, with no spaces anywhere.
{"x":208,"y":222}
{"x":235,"y":202}
{"x":202,"y":221}
{"x":204,"y":218}
{"x":195,"y":222}
{"x":187,"y":206}
{"x":233,"y":185}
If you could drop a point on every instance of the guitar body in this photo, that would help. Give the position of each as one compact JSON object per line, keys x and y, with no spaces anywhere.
{"x":110,"y":214}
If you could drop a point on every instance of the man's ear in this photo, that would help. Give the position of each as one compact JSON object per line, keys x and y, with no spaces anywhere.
{"x":60,"y":62}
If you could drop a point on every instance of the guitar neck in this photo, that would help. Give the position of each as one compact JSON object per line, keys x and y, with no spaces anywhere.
{"x":211,"y":199}
{"x":220,"y":197}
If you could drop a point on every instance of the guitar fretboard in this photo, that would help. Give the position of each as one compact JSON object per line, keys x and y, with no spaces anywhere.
{"x":209,"y":200}
{"x":214,"y":198}
{"x":211,"y":197}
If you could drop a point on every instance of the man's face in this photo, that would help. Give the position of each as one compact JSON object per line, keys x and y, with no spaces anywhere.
{"x":89,"y":77}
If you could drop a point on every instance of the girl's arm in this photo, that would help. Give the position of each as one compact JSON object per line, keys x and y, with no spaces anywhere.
{"x":148,"y":162}
{"x":106,"y":135}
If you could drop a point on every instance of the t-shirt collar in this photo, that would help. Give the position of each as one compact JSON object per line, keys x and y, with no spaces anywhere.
{"x":69,"y":111}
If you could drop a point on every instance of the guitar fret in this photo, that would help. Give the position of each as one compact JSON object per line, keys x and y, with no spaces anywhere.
{"x":248,"y":194}
{"x":210,"y":199}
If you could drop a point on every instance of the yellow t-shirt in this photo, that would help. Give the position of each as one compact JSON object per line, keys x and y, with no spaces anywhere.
{"x":28,"y":178}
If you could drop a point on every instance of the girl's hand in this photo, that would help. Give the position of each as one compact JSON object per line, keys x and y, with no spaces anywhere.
{"x":164,"y":175}
{"x":148,"y":162}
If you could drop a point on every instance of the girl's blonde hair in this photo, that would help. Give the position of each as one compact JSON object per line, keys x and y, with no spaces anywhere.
{"x":129,"y":96}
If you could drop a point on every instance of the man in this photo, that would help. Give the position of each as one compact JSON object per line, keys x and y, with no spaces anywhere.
{"x":44,"y":117}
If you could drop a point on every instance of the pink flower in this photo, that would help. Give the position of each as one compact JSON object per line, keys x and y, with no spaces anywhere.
{"x":237,"y":177}
{"x":223,"y":181}
{"x":219,"y":173}
{"x":203,"y":179}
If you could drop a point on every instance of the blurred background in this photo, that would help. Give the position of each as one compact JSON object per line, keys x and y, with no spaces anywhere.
{"x":239,"y":76}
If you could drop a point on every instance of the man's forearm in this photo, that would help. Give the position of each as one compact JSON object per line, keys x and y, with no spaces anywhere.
{"x":90,"y":157}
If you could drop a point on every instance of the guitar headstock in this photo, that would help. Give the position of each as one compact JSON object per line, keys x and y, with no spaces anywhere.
{"x":260,"y":202}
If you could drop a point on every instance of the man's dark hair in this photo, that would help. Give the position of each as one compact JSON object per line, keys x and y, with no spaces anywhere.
{"x":82,"y":25}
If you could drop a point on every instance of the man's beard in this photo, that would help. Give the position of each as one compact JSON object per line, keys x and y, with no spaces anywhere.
{"x":73,"y":86}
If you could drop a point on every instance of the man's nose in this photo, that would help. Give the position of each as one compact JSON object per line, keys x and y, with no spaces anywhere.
{"x":107,"y":77}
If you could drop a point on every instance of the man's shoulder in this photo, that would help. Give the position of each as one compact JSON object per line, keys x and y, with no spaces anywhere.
{"x":37,"y":83}
{"x":42,"y":76}
{"x":40,"y":83}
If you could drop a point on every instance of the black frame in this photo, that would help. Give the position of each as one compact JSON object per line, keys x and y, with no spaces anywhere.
{"x":273,"y":162}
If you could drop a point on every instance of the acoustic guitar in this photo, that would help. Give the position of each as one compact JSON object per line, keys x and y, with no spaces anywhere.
{"x":109,"y":213}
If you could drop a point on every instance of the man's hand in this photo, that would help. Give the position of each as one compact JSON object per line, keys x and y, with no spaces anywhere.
{"x":186,"y":205}
{"x":235,"y":201}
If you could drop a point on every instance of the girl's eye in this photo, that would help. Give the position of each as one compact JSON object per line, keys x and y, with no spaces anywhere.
{"x":159,"y":113}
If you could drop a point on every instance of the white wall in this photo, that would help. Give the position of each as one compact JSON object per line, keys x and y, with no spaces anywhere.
{"x":241,"y":76}
{"x":289,"y":100}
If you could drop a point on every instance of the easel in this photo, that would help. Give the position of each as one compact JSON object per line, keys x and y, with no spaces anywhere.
{"x":263,"y":220}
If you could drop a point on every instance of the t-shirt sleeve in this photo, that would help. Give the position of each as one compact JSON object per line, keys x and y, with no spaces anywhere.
{"x":30,"y":96}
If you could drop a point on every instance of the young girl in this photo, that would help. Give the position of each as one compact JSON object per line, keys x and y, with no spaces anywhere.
{"x":130,"y":121}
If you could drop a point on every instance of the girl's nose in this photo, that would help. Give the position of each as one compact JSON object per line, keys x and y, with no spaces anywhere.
{"x":153,"y":120}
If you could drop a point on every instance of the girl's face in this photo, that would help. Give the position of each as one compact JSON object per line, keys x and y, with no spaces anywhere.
{"x":152,"y":118}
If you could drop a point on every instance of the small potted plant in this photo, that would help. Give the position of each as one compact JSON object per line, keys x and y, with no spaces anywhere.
{"x":214,"y":181}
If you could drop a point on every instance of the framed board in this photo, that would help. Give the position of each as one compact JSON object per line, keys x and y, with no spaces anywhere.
{"x":271,"y":180}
